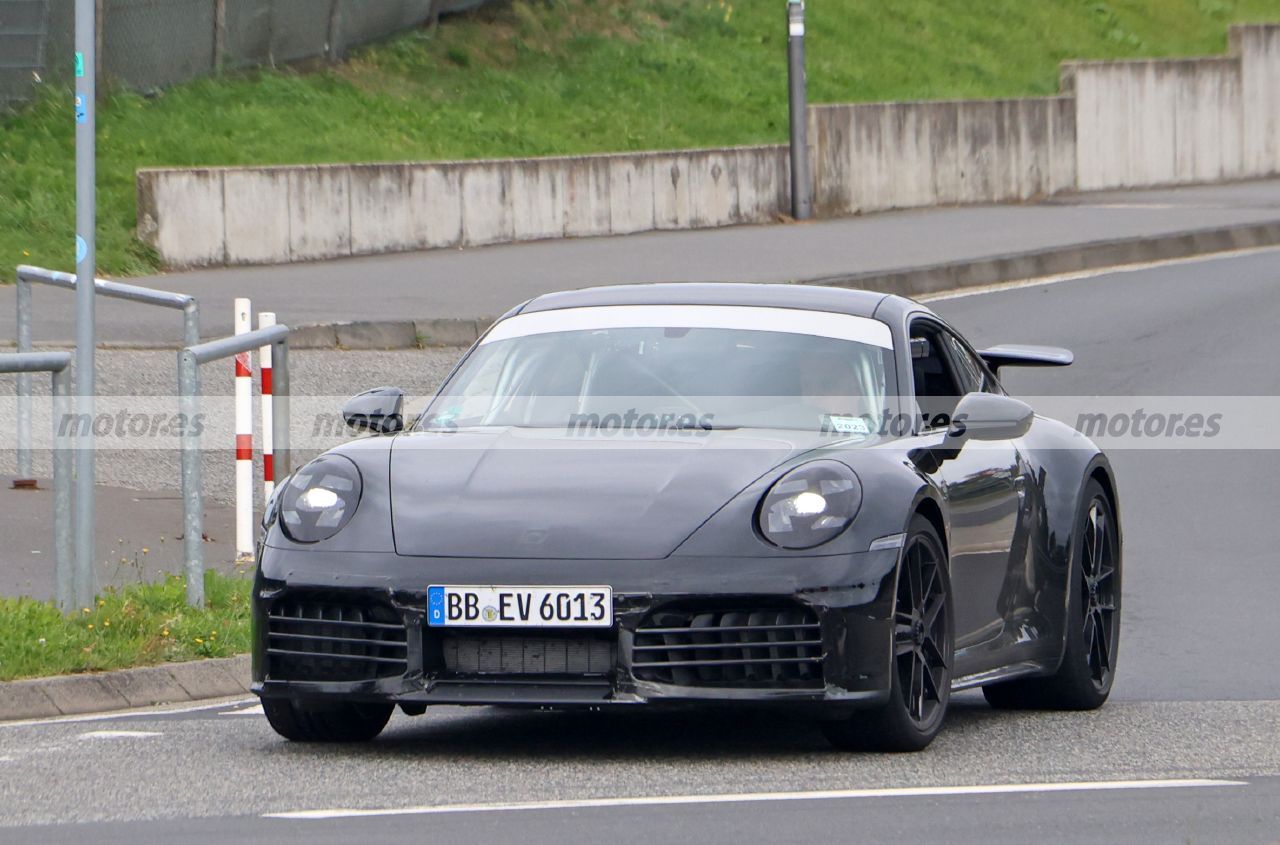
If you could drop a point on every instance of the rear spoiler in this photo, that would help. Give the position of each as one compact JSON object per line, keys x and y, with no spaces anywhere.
{"x":1020,"y":355}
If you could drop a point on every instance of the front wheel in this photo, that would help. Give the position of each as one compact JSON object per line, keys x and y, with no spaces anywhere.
{"x":1083,"y":680}
{"x":923,"y":650}
{"x":310,"y":721}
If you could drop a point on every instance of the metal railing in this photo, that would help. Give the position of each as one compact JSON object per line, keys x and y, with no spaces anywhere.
{"x":74,"y":585}
{"x":189,"y":361}
{"x":28,"y":276}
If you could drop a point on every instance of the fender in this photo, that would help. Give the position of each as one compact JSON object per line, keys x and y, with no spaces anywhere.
{"x":1067,"y":460}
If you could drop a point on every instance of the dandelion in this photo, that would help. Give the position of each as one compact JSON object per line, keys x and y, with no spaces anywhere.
{"x":85,"y":610}
{"x":90,"y":626}
{"x":165,"y":632}
{"x":102,"y":603}
{"x":106,"y":623}
{"x":198,"y":640}
{"x":145,"y":550}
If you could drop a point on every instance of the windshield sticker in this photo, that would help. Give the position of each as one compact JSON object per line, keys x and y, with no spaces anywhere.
{"x":845,"y":425}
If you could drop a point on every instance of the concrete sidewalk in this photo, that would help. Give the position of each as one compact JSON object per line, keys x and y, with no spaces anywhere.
{"x":486,"y":281}
{"x":138,"y":538}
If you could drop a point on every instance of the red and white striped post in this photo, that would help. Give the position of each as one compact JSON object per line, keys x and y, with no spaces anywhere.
{"x":244,"y":436}
{"x":265,"y":319}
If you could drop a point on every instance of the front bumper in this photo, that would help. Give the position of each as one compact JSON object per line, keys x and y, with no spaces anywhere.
{"x":848,"y":597}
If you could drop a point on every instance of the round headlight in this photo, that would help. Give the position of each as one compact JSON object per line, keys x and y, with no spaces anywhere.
{"x":319,"y":499}
{"x":810,"y":505}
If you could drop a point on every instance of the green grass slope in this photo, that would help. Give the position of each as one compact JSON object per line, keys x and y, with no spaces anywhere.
{"x":535,"y":77}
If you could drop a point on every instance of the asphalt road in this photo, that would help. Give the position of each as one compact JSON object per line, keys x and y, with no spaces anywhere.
{"x":486,"y":281}
{"x":1197,"y":696}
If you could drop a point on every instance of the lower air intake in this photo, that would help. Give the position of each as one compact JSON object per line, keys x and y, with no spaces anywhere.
{"x":507,"y":655}
{"x":751,"y":648}
{"x":312,"y":639}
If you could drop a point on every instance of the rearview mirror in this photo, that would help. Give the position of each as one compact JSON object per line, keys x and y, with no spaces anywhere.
{"x":989,"y":416}
{"x":379,"y":410}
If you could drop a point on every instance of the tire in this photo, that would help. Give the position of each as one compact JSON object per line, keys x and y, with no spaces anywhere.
{"x":1084,"y":678}
{"x":307,"y":721}
{"x":923,"y":653}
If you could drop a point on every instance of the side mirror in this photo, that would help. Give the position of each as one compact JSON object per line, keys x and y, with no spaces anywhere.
{"x":989,"y":416}
{"x":378,"y":410}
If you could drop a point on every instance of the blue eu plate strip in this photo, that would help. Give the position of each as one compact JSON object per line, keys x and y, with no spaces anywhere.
{"x":435,"y":606}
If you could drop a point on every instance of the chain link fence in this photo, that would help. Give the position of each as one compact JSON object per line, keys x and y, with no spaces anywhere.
{"x":150,"y":44}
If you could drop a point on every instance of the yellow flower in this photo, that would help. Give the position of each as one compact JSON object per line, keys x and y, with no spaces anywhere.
{"x":145,"y":550}
{"x":102,"y":603}
{"x":198,"y":640}
{"x":165,"y":632}
{"x":90,"y":626}
{"x":85,"y":610}
{"x":106,"y":623}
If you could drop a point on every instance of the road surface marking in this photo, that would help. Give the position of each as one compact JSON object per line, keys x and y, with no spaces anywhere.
{"x":120,"y":734}
{"x":997,"y":287}
{"x":125,"y":714}
{"x":752,"y":797}
{"x":252,"y":710}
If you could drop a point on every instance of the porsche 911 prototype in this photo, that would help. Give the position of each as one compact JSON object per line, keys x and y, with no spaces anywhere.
{"x":812,"y":499}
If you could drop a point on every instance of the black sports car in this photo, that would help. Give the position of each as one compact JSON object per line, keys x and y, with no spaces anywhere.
{"x":750,"y":494}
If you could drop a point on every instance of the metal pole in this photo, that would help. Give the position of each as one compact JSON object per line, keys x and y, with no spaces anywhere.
{"x":280,"y":407}
{"x":26,"y":476}
{"x":191,"y":323}
{"x":192,"y":503}
{"x":86,"y":262}
{"x":801,"y":189}
{"x":62,"y":472}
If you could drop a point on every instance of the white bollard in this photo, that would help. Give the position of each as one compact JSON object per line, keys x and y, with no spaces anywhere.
{"x":265,"y":319}
{"x":244,"y":436}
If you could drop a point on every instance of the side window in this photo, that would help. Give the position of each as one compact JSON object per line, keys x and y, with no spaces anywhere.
{"x":970,"y":377}
{"x":935,"y":385}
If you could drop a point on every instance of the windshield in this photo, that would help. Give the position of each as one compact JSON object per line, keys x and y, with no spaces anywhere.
{"x":673,"y":368}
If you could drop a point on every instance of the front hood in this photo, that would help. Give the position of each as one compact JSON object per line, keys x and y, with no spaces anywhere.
{"x":538,"y":493}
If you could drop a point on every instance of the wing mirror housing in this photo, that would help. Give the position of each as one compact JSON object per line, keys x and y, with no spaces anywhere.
{"x":989,"y":416}
{"x":380,"y":410}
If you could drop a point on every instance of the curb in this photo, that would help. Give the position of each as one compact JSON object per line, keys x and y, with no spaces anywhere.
{"x":910,"y":281}
{"x":173,"y":683}
{"x":936,"y":278}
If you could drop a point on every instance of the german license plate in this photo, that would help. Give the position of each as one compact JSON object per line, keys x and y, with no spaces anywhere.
{"x":524,"y":607}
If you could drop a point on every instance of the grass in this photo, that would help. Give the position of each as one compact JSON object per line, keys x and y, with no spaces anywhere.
{"x":140,"y":625}
{"x":535,"y":77}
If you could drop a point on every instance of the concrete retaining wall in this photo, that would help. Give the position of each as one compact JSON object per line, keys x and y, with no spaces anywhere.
{"x":1258,"y":48}
{"x":1129,"y":124}
{"x":257,"y":215}
{"x":1179,"y":121}
{"x":878,"y":156}
{"x":1164,"y":122}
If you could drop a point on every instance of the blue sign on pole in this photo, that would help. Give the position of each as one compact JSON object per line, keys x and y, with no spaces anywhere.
{"x":82,"y":111}
{"x":82,"y":249}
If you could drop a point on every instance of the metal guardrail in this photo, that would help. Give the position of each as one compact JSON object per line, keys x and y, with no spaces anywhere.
{"x":189,"y":361}
{"x":28,"y":276}
{"x":74,"y":585}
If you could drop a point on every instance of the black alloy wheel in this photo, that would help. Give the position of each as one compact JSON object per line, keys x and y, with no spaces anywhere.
{"x":1092,"y":637}
{"x":923,"y":651}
